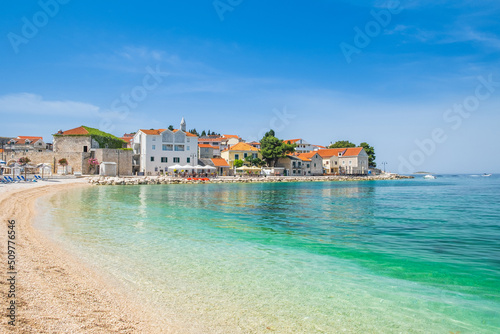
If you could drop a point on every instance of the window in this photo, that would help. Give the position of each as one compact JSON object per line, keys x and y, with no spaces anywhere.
{"x":188,"y":160}
{"x":245,"y":155}
{"x":179,"y":148}
{"x":152,"y":158}
{"x":177,"y":160}
{"x":308,"y":165}
{"x":85,"y":149}
{"x":350,"y":162}
{"x":188,"y":148}
{"x":154,"y":138}
{"x":335,"y":163}
{"x":254,"y":155}
{"x":154,"y":147}
{"x":166,"y":147}
{"x":343,"y":162}
{"x":236,"y":156}
{"x":164,"y":159}
{"x":293,"y":164}
{"x":314,"y":164}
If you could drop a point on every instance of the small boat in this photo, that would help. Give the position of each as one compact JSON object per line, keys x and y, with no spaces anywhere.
{"x":486,"y":174}
{"x":429,"y":177}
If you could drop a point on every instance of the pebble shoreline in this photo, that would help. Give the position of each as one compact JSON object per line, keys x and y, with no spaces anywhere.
{"x":101,"y":180}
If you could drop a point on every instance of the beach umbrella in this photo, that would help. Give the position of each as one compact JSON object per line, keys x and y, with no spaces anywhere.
{"x":176,"y":166}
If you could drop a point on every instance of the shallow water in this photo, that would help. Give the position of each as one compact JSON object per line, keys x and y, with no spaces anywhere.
{"x":409,"y":256}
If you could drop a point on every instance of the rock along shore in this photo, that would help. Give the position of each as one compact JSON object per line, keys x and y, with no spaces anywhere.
{"x":131,"y":180}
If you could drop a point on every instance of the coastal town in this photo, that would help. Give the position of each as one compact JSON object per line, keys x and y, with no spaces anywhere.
{"x":180,"y":153}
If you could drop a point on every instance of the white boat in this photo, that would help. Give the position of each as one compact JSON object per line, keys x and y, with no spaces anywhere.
{"x":429,"y":177}
{"x":486,"y":174}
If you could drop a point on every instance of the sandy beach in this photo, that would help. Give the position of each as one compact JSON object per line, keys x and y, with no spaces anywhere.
{"x":54,"y":292}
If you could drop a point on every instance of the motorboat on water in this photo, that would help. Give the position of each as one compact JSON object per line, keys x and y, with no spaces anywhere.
{"x":485,"y":174}
{"x":429,"y":177}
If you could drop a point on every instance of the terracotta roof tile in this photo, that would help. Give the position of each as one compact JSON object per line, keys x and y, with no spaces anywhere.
{"x":231,"y":136}
{"x":352,"y":151}
{"x":206,"y":146}
{"x":242,"y":147}
{"x":76,"y":131}
{"x":306,"y":156}
{"x":346,"y":152}
{"x":330,"y":152}
{"x":155,"y":132}
{"x":292,"y":141}
{"x":219,"y":162}
{"x":211,"y":139}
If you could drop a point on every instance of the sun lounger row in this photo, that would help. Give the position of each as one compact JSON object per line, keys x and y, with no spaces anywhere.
{"x":18,"y":178}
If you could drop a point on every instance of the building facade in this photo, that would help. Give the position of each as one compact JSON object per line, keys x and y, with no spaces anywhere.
{"x":156,"y":150}
{"x":240,"y":151}
{"x":344,"y":161}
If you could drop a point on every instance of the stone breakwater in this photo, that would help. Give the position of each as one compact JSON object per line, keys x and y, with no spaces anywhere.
{"x":101,"y":180}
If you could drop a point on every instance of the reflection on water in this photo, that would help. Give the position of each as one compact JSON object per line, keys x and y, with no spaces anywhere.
{"x":428,"y":251}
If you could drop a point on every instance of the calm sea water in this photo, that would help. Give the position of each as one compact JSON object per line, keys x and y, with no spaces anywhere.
{"x":415,"y":256}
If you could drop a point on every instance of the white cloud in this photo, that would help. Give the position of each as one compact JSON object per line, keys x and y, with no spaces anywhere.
{"x":26,"y":104}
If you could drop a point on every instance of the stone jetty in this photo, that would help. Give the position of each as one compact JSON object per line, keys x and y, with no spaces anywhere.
{"x":135,"y":180}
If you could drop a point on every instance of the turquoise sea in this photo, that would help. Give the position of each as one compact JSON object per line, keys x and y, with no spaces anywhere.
{"x":405,"y":256}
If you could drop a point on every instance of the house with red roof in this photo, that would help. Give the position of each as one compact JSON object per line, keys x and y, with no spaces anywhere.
{"x":344,"y":161}
{"x":207,"y":151}
{"x":240,"y":151}
{"x":155,"y":150}
{"x":301,"y":146}
{"x":232,"y":140}
{"x":301,"y":164}
{"x":25,"y":144}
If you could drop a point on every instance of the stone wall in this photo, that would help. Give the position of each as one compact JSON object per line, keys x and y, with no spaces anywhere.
{"x":72,"y":143}
{"x":74,"y":159}
{"x":122,"y":158}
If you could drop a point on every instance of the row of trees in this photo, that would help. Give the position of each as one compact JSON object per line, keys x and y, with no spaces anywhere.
{"x":368,"y":149}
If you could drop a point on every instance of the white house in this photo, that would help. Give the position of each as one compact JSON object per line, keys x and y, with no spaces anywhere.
{"x":302,"y":146}
{"x":156,"y":150}
{"x":352,"y":160}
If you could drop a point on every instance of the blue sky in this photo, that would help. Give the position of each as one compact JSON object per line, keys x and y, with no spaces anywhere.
{"x":264,"y":64}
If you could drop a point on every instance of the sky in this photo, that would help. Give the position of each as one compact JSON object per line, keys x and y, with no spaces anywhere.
{"x":418,"y":80}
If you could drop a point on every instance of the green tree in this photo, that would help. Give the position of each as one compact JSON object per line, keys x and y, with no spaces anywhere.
{"x":273,"y":148}
{"x":203,"y":133}
{"x":194,"y":132}
{"x":24,"y":160}
{"x":371,"y":154}
{"x":342,"y":144}
{"x":171,"y":127}
{"x":238,"y":163}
